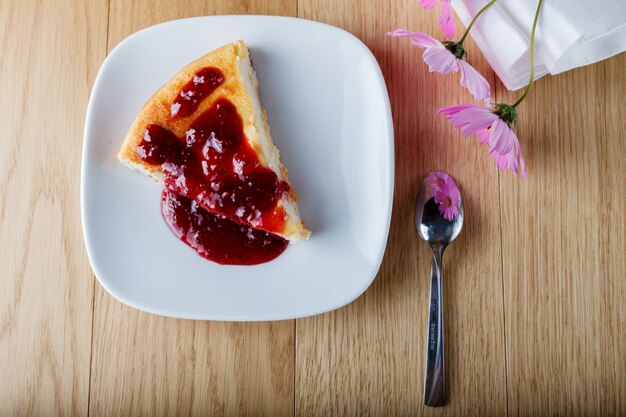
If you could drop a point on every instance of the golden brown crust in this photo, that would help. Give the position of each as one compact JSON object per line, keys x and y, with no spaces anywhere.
{"x":157,"y":111}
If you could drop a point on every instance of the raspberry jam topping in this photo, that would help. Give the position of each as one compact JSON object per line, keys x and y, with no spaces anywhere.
{"x":215,"y":237}
{"x":201,"y":85}
{"x":215,"y":171}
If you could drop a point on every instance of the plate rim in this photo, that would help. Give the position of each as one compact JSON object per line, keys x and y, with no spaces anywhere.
{"x":89,"y":119}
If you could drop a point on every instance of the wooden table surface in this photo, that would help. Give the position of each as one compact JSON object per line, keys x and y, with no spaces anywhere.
{"x":535,"y":291}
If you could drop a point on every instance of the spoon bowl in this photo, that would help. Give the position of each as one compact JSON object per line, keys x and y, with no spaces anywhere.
{"x":431,"y":224}
{"x":439,"y":219}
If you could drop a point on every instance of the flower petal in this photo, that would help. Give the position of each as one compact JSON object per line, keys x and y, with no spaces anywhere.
{"x":477,"y":116}
{"x":437,"y":181}
{"x":483,"y":135}
{"x":479,"y":124}
{"x":501,"y":138}
{"x":474,"y":81}
{"x":420,"y":39}
{"x":473,"y":119}
{"x":505,"y":148}
{"x":453,"y":191}
{"x":428,"y":4}
{"x":441,"y":195}
{"x":452,"y":110}
{"x":440,"y":60}
{"x":446,"y":19}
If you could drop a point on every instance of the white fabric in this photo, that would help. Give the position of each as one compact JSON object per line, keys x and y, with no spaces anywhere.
{"x":570,"y":34}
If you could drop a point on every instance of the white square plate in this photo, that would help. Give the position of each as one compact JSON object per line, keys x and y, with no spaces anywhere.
{"x":329,"y":114}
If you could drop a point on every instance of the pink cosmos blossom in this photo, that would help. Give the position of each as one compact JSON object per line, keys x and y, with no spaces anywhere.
{"x":437,"y":180}
{"x":440,"y":59}
{"x":448,"y":197}
{"x":492,"y":129}
{"x":446,"y":21}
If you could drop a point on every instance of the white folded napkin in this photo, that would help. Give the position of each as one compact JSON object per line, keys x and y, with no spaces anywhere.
{"x":570,"y":34}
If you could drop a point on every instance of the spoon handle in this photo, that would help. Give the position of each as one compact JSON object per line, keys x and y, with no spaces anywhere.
{"x":434,"y":380}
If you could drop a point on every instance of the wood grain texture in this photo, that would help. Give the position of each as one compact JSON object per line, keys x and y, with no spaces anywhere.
{"x":564,"y":235}
{"x":46,"y":282}
{"x":148,"y":365}
{"x":127,"y":17}
{"x":367,"y":359}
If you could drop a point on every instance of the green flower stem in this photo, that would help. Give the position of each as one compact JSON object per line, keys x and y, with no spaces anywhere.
{"x":481,"y":11}
{"x":532,"y":63}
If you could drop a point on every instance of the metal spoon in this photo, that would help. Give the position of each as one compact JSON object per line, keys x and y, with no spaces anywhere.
{"x":438,"y":219}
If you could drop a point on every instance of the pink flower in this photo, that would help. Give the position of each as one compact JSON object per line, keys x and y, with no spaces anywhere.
{"x":448,"y":198}
{"x":492,"y":127}
{"x":446,"y":21}
{"x":439,"y":58}
{"x":437,"y":180}
{"x":446,"y":194}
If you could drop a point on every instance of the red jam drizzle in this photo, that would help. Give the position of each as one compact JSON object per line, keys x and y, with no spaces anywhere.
{"x":215,"y":167}
{"x":201,"y":85}
{"x":215,"y":237}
